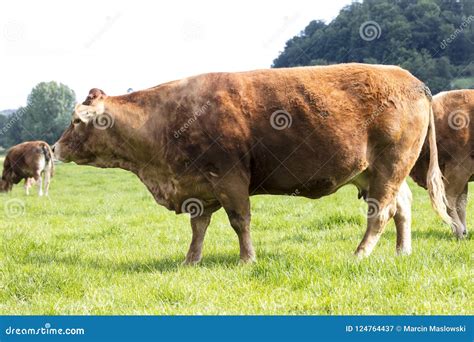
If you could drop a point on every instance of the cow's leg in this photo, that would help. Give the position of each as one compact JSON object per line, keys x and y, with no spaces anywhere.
{"x":461,"y":207}
{"x":39,"y":179}
{"x":456,"y":182}
{"x":402,"y":219}
{"x":47,"y":180}
{"x":199,"y":225}
{"x":233,"y":194}
{"x":382,"y":206}
{"x":27,"y":185}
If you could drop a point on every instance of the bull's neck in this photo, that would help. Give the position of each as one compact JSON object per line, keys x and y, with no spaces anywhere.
{"x":137,"y":136}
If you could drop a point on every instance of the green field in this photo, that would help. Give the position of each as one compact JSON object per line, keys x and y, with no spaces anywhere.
{"x":100,"y":245}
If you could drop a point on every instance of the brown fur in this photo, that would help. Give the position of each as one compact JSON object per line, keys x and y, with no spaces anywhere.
{"x":209,"y":137}
{"x":21,"y":162}
{"x":454,"y":116}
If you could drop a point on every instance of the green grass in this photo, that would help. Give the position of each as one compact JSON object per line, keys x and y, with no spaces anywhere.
{"x":100,"y":245}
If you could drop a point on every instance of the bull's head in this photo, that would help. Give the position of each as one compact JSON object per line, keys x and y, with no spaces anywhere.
{"x":87,"y":138}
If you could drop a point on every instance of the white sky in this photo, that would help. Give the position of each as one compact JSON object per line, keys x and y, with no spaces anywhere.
{"x":116,"y":45}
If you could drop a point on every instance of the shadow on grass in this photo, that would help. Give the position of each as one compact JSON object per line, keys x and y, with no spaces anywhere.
{"x":443,"y":233}
{"x":163,"y":265}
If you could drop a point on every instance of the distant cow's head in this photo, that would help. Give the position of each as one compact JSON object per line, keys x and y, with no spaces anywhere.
{"x":87,"y":138}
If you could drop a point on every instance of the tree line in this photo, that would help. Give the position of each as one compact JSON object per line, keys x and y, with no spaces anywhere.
{"x":46,"y":114}
{"x":434,"y":39}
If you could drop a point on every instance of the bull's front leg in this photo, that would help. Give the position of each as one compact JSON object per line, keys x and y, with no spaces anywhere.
{"x":199,"y":226}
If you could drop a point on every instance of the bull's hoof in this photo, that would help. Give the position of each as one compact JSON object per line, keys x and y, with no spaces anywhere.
{"x":361,"y":253}
{"x":191,"y":261}
{"x":251,"y":259}
{"x":403,"y":251}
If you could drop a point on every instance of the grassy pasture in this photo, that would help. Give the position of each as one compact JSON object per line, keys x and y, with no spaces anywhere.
{"x":100,"y":245}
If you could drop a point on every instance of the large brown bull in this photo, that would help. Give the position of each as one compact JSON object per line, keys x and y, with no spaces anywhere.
{"x":213,"y":140}
{"x":454,"y":121}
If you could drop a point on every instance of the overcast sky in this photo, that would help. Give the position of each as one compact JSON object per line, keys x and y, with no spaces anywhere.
{"x":116,"y":45}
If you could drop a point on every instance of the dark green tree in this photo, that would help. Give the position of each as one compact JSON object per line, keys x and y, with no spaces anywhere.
{"x":434,"y":39}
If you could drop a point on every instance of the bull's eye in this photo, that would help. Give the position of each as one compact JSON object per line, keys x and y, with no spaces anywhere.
{"x":76,"y":121}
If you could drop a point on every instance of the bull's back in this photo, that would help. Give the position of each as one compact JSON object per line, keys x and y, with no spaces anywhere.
{"x":307,"y":130}
{"x":310,"y":130}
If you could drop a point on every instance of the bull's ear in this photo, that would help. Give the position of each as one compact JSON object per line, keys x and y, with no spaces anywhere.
{"x":85,"y":113}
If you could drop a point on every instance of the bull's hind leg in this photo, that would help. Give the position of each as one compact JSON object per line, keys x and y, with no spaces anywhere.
{"x":382,"y":206}
{"x":232,"y":191}
{"x":402,"y":219}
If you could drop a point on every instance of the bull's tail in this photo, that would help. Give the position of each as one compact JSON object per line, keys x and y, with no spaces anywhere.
{"x":48,"y":156}
{"x":434,"y":177}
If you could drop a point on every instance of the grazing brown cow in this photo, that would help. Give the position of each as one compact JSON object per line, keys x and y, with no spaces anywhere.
{"x":29,"y":161}
{"x":213,"y":140}
{"x":454,"y":121}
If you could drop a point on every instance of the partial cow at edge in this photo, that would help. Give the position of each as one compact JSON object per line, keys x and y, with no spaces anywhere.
{"x":454,"y":122}
{"x":31,"y":161}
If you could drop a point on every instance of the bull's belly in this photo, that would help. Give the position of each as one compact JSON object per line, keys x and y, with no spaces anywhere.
{"x":312,"y":185}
